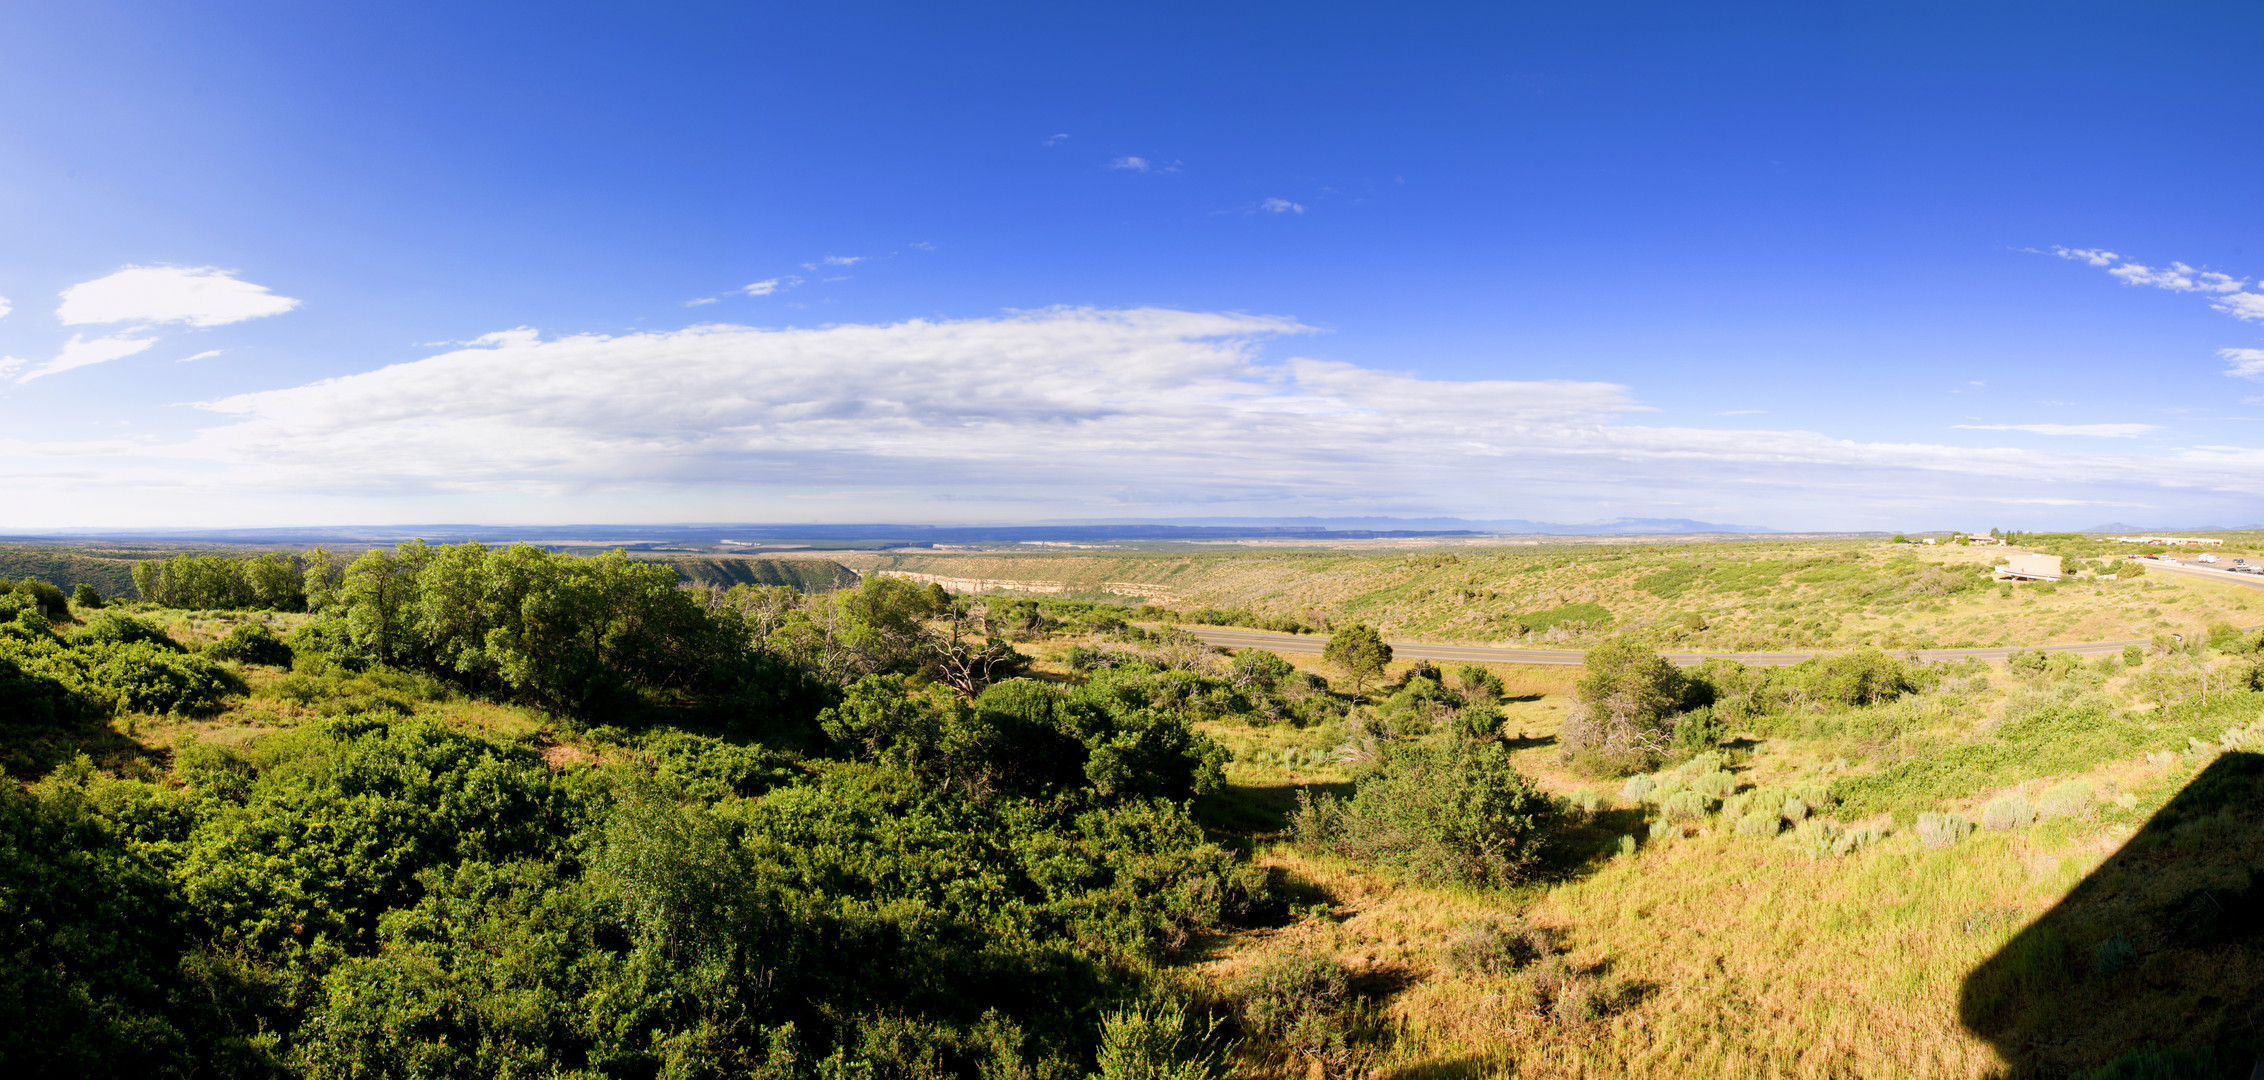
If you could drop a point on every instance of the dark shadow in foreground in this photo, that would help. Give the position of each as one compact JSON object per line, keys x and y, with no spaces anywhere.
{"x":2154,"y":965}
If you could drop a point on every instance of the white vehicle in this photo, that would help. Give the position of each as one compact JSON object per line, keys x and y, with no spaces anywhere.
{"x":2208,"y":558}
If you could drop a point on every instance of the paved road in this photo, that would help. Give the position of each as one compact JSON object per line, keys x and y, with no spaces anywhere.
{"x":1486,"y":654}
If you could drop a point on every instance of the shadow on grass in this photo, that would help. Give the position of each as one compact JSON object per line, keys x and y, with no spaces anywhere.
{"x":1523,"y":742}
{"x":1583,"y":849}
{"x":1250,"y":812}
{"x":1461,"y":1067}
{"x":30,"y":751}
{"x":2153,"y":966}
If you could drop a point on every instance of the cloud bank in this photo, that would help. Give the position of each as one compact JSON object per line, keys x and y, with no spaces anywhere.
{"x":1049,"y":414}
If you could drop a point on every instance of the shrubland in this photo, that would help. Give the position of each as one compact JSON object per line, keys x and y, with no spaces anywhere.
{"x":485,"y":811}
{"x":1754,"y":595}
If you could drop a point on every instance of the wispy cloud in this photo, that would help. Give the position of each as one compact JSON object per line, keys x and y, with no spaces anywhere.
{"x":82,"y":351}
{"x":2246,"y":363}
{"x":1131,"y":163}
{"x":1279,"y":206}
{"x":1740,"y":412}
{"x":767,"y":286}
{"x":5,"y":307}
{"x":2226,"y":293}
{"x":830,"y":260}
{"x":701,"y":301}
{"x":195,"y":295}
{"x":2104,"y":431}
{"x":205,"y":355}
{"x":1055,"y":139}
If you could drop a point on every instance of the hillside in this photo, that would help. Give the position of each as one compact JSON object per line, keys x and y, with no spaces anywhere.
{"x":807,"y":575}
{"x":112,"y":574}
{"x":1713,"y":597}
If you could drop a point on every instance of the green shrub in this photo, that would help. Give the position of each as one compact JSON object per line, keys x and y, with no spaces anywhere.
{"x":2133,"y":656}
{"x":2065,"y":799}
{"x":1157,"y":1041}
{"x":1624,"y":720}
{"x":86,"y":596}
{"x":50,"y":600}
{"x":1684,"y":806}
{"x":251,"y":643}
{"x":115,"y":628}
{"x":1760,"y":823}
{"x":1487,"y":947}
{"x":2007,"y":812}
{"x":1440,"y":814}
{"x":1698,"y":731}
{"x":1941,"y":830}
{"x":1637,"y":789}
{"x":1298,"y":999}
{"x":1717,"y":785}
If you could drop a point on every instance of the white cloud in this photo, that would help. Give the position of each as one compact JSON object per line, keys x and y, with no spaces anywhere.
{"x":1082,"y":412}
{"x":1132,"y":163}
{"x":2243,"y":305}
{"x":2246,"y":363}
{"x":830,"y":260}
{"x":1279,"y":206}
{"x":700,"y":301}
{"x":2178,"y":277}
{"x":2105,"y":431}
{"x":1055,"y":139}
{"x":2094,"y":256}
{"x":1740,"y":412}
{"x":5,"y":307}
{"x":81,"y":351}
{"x":196,"y":295}
{"x":205,"y":355}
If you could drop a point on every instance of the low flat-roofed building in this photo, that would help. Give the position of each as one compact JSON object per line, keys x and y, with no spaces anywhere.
{"x":2025,"y":567}
{"x":1982,"y":537}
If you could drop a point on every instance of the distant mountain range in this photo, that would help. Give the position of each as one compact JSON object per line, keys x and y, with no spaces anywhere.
{"x":2119,"y":527}
{"x":885,"y":535}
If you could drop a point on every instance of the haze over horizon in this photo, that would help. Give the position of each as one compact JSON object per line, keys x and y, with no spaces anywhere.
{"x":1808,"y":268}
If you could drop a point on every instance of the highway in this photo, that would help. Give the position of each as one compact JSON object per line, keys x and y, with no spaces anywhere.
{"x":1488,"y":654}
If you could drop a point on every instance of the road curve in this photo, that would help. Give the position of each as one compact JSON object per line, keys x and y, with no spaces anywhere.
{"x":1488,"y":654}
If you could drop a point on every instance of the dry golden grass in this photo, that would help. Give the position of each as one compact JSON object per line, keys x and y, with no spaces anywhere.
{"x":1470,"y":594}
{"x":1730,"y":956}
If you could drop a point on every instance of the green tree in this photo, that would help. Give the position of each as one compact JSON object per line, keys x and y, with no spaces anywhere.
{"x":86,"y":596}
{"x":1360,"y":652}
{"x":1624,"y":721}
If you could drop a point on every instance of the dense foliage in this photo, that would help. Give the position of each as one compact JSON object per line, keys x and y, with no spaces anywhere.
{"x":905,"y":880}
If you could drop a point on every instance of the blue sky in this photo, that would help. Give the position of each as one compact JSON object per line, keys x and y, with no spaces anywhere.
{"x":1805,"y":266}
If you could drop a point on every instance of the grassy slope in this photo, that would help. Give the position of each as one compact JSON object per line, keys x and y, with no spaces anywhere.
{"x":1750,"y":596}
{"x":1740,"y":957}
